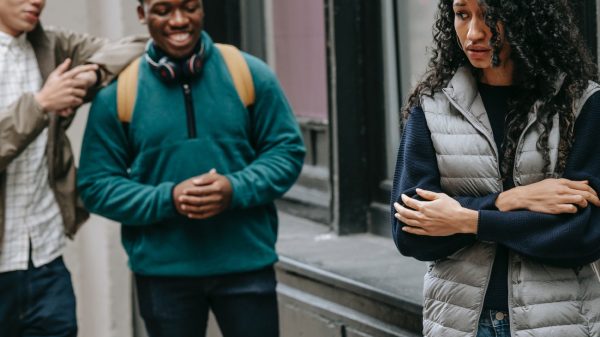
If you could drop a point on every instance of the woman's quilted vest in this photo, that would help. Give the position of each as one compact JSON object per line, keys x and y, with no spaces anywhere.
{"x":544,"y":301}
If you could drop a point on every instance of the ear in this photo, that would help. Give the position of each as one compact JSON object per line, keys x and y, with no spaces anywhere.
{"x":141,"y":14}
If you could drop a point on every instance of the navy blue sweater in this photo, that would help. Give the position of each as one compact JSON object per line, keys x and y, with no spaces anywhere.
{"x":565,"y":240}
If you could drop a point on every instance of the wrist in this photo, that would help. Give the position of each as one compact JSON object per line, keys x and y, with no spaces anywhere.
{"x":40,"y":98}
{"x":509,"y":200}
{"x":469,"y":220}
{"x":98,"y":81}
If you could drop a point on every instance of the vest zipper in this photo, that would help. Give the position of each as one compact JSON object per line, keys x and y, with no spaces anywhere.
{"x":189,"y":108}
{"x":483,"y":131}
{"x":487,"y":284}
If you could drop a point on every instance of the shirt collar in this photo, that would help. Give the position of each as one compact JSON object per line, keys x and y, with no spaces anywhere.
{"x":7,"y":40}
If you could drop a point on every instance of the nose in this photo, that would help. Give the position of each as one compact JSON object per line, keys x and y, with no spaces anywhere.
{"x":477,"y":29}
{"x":178,"y":18}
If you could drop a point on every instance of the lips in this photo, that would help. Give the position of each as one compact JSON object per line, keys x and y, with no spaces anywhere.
{"x":180,"y":39}
{"x":32,"y":16}
{"x":478,"y":52}
{"x":478,"y":49}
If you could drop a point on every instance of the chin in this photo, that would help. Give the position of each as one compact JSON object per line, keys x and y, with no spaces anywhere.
{"x":479,"y":64}
{"x":180,"y":53}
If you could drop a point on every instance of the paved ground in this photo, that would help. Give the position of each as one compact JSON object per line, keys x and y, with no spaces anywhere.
{"x":365,"y":258}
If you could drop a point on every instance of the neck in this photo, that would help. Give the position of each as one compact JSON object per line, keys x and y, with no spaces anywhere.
{"x":10,"y":32}
{"x":500,"y":75}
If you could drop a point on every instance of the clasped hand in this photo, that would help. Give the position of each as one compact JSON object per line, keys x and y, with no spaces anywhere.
{"x":203,"y":196}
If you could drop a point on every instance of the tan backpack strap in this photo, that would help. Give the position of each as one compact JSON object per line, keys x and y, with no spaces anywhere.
{"x":240,"y":72}
{"x":127,"y":90}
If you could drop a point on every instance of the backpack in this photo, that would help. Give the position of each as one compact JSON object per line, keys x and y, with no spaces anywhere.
{"x":236,"y":64}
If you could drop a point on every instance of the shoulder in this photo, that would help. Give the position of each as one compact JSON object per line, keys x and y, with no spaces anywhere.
{"x":58,"y":35}
{"x":262,"y":74}
{"x":588,"y":120}
{"x":52,"y":31}
{"x":416,"y":119}
{"x":590,"y":100}
{"x":107,"y":96}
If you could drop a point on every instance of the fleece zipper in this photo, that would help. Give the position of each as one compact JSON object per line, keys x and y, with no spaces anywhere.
{"x":189,"y":109}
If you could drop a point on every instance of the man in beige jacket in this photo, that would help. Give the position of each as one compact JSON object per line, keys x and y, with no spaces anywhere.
{"x":44,"y":76}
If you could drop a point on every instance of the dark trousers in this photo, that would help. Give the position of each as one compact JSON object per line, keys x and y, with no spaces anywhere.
{"x":38,"y":302}
{"x":244,"y":305}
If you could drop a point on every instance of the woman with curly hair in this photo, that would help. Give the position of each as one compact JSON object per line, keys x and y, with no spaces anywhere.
{"x":497,"y":174}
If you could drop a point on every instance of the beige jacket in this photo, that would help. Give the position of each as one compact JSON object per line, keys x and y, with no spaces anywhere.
{"x":24,"y":120}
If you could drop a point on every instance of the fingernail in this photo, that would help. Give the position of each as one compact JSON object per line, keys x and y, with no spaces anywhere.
{"x":183,"y":207}
{"x":197,"y":181}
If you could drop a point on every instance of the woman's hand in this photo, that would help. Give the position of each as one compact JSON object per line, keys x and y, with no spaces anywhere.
{"x":550,"y":196}
{"x":437,"y":215}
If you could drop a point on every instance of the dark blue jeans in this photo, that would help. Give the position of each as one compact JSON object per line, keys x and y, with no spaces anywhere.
{"x":38,"y":302}
{"x":244,"y":305}
{"x":494,"y":323}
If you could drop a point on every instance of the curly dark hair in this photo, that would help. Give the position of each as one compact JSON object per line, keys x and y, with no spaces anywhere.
{"x":545,"y":46}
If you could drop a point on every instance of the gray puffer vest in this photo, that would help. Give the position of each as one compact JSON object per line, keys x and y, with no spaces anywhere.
{"x":544,"y":301}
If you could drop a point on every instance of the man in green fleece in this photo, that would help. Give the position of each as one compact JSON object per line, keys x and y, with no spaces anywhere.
{"x":192,"y":178}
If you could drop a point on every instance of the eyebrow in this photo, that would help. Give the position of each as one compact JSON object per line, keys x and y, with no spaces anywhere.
{"x":459,"y":4}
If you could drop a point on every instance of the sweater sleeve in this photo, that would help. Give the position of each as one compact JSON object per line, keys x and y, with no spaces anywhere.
{"x":567,"y":239}
{"x":416,"y":167}
{"x":103,"y":179}
{"x":276,"y":139}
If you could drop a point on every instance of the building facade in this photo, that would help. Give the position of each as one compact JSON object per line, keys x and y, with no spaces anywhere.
{"x":346,"y":66}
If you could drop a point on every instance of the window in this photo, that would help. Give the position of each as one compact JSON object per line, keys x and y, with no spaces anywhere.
{"x":296,"y":51}
{"x":407,"y":37}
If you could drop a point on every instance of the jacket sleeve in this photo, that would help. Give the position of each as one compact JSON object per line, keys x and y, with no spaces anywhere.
{"x":112,"y":57}
{"x":277,"y":142}
{"x":416,"y":167}
{"x":567,"y":239}
{"x":103,"y":179}
{"x":20,"y":123}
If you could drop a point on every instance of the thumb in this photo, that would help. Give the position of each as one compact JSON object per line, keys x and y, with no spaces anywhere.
{"x":205,"y":179}
{"x":63,"y":67}
{"x":427,"y":195}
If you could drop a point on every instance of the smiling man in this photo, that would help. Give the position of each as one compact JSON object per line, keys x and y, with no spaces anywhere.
{"x":192,"y":175}
{"x":44,"y":77}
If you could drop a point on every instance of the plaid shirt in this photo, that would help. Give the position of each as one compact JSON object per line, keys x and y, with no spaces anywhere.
{"x":32,"y":218}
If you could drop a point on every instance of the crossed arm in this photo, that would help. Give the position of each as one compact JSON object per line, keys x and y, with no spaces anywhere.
{"x":538,"y":220}
{"x":437,"y":214}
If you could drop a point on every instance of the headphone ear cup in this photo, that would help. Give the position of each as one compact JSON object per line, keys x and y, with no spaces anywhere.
{"x":167,"y":69}
{"x":193,"y":66}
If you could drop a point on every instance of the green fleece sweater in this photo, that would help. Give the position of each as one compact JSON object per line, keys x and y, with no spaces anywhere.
{"x":128,"y":174}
